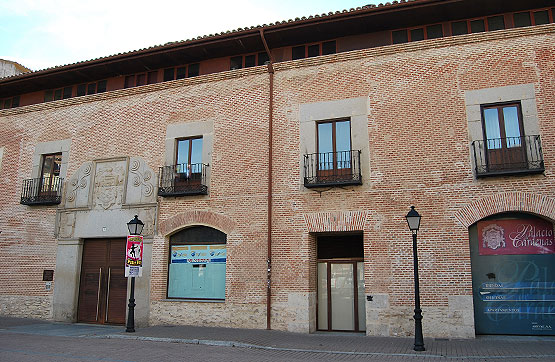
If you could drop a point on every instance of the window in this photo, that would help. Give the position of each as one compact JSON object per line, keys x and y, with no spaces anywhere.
{"x":57,"y":94}
{"x":140,"y":79}
{"x":50,"y":173}
{"x":246,"y":61}
{"x":197,"y":264}
{"x":528,"y":18}
{"x":189,"y":154}
{"x":313,"y":50}
{"x":186,"y":71}
{"x":12,"y":102}
{"x":91,"y":88}
{"x":405,"y":35}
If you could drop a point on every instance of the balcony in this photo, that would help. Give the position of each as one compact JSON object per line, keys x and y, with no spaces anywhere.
{"x":332,"y":169}
{"x":182,"y":180}
{"x":41,"y":191}
{"x":508,"y":156}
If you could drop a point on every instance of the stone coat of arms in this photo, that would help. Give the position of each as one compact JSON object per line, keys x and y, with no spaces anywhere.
{"x":109,"y":186}
{"x":493,"y":237}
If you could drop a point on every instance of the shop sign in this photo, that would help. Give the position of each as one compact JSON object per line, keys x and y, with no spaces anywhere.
{"x":515,"y":237}
{"x":198,"y":254}
{"x":134,"y":256}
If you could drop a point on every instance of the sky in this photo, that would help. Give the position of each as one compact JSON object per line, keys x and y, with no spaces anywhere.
{"x":40,"y":34}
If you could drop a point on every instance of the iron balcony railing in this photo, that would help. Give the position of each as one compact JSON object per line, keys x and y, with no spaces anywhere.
{"x":182,"y":179}
{"x":505,"y":156}
{"x":42,"y":191}
{"x":332,"y":169}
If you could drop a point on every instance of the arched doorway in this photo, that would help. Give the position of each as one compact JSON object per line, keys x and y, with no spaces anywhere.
{"x":513,"y":274}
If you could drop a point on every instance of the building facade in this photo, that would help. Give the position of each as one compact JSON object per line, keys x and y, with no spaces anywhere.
{"x":273,"y":175}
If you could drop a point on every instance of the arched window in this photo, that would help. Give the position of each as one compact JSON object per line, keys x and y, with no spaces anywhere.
{"x":197,"y":264}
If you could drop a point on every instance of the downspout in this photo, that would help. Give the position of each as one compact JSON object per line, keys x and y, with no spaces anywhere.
{"x":270,"y":179}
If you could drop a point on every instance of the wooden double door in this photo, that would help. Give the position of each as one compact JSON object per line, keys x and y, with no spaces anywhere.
{"x":103,"y":285}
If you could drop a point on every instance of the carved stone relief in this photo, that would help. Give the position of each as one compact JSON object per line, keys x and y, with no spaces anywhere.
{"x":141,"y":181}
{"x":77,"y":189}
{"x":109,"y":184}
{"x":148,"y":217}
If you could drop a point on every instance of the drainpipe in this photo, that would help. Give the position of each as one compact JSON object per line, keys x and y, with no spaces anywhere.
{"x":270,"y":178}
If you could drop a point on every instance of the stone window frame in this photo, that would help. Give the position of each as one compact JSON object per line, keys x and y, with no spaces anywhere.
{"x":354,"y":109}
{"x":177,"y":131}
{"x":51,"y":147}
{"x":524,"y":94}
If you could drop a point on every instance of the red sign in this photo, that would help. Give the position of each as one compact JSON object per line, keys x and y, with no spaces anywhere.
{"x":513,"y":237}
{"x":134,"y":251}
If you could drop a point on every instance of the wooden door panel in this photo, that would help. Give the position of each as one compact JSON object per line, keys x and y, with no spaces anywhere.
{"x":89,"y":295}
{"x":116,"y":296}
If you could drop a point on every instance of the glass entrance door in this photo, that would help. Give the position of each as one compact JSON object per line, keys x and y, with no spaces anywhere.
{"x":341,"y":296}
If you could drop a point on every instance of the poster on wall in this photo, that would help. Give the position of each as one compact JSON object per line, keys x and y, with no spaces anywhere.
{"x":134,"y":256}
{"x":515,"y":237}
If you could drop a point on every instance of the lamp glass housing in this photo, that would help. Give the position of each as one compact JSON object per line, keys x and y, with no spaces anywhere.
{"x":135,"y":226}
{"x":413,"y":219}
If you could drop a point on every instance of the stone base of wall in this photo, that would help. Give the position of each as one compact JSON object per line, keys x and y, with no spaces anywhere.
{"x":454,"y":321}
{"x":26,"y":307}
{"x":208,"y":314}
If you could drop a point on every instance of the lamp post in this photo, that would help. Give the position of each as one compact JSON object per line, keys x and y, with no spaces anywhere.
{"x":413,"y":219}
{"x":135,"y":227}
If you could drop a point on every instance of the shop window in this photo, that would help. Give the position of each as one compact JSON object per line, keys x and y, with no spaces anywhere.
{"x":197,"y":264}
{"x":313,"y":50}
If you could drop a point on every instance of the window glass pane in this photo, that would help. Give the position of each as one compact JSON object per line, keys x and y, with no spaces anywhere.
{"x":493,"y":133}
{"x":15,"y":101}
{"x":343,"y":143}
{"x":477,"y":26}
{"x":434,"y":31}
{"x":101,"y":86}
{"x":314,"y":50}
{"x":193,"y":70}
{"x":91,"y":88}
{"x":236,"y":63}
{"x":140,"y":79}
{"x":152,"y":77}
{"x":400,"y":36}
{"x":459,"y":28}
{"x":298,"y":52}
{"x":48,"y":96}
{"x":496,"y":23}
{"x":541,"y":17}
{"x":197,"y":271}
{"x":417,"y":34}
{"x":81,"y":90}
{"x":47,"y":165}
{"x":57,"y":94}
{"x":196,"y":150}
{"x":181,"y":73}
{"x":263,"y":58}
{"x":512,"y":128}
{"x":67,"y":92}
{"x":522,"y":19}
{"x":182,"y":155}
{"x":328,"y":47}
{"x":250,"y":60}
{"x":7,"y":103}
{"x":129,"y":81}
{"x":325,"y":146}
{"x":169,"y":74}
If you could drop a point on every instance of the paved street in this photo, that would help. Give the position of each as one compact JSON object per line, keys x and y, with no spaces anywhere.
{"x":28,"y":340}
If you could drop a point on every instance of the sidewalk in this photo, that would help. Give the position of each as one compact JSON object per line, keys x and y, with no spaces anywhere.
{"x":486,"y":347}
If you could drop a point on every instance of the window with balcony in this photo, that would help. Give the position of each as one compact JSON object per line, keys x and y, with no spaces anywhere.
{"x":47,"y":189}
{"x":335,"y":162}
{"x":188,"y":175}
{"x":505,"y":149}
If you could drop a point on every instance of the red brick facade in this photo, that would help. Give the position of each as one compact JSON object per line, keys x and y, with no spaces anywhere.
{"x":418,"y":151}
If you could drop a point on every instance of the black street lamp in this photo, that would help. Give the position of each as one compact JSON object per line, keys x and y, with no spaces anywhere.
{"x":413,"y":219}
{"x":135,"y":227}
